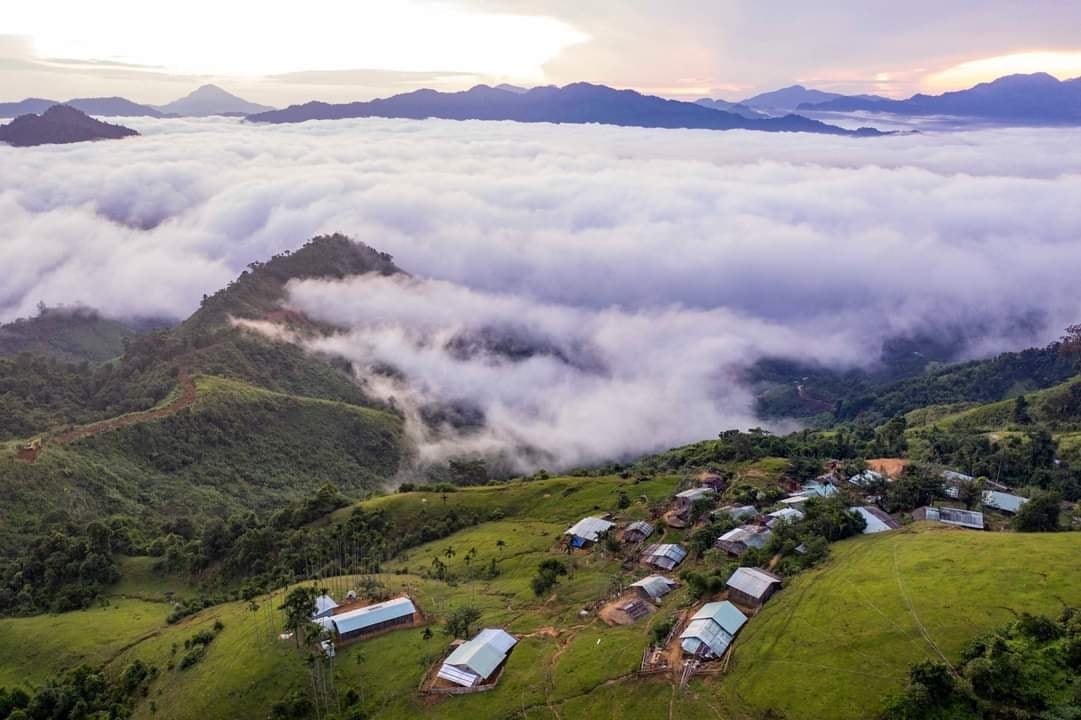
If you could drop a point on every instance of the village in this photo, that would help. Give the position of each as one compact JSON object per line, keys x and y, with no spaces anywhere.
{"x":699,"y":636}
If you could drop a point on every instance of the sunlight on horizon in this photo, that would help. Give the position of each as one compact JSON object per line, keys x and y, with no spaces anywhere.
{"x":403,"y":36}
{"x":1063,"y":64}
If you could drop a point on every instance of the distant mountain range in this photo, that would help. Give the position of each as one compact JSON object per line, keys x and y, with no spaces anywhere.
{"x":576,"y":103}
{"x":59,"y":124}
{"x":732,"y":107}
{"x":212,"y":100}
{"x":1037,"y":98}
{"x":205,"y":101}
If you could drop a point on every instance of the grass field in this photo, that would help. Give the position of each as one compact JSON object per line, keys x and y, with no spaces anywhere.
{"x":839,"y":638}
{"x":830,"y":645}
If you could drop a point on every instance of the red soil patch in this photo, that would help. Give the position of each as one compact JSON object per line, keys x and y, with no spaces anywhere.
{"x":184,"y":400}
{"x":890,"y":467}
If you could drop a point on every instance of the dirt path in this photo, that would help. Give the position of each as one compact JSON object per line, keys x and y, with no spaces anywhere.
{"x":184,"y":400}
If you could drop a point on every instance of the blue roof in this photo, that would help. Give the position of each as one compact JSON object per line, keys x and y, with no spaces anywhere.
{"x":372,"y":615}
{"x":724,"y":613}
{"x":712,"y":629}
{"x":1003,"y":501}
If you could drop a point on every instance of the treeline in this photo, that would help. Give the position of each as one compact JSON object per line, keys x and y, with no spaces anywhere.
{"x":1030,"y":668}
{"x":80,"y":694}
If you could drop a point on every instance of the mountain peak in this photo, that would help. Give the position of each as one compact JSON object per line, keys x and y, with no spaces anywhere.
{"x":211,"y":99}
{"x":59,"y":124}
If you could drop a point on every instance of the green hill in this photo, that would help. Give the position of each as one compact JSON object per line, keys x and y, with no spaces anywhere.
{"x":67,"y":334}
{"x":239,"y":447}
{"x":842,"y":636}
{"x":830,"y":645}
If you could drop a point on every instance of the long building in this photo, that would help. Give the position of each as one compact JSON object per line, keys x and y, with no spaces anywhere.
{"x":369,"y":620}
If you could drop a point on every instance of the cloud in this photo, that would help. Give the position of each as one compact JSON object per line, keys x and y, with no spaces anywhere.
{"x":640,"y":270}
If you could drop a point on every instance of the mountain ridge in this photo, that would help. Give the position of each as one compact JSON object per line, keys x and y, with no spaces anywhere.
{"x":60,"y":125}
{"x":577,"y":103}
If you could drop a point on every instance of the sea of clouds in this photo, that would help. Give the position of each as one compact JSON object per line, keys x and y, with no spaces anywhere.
{"x":653,"y":265}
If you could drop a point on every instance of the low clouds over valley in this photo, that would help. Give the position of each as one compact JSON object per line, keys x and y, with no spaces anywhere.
{"x":638,"y":271}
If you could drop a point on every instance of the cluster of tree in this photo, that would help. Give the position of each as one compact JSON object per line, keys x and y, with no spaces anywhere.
{"x":548,"y":573}
{"x":81,"y":693}
{"x":1030,"y":668}
{"x":64,"y":569}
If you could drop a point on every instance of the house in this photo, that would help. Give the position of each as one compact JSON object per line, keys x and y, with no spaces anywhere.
{"x":654,"y":587}
{"x":716,"y":483}
{"x":1003,"y":501}
{"x":950,"y":516}
{"x":476,"y":660}
{"x":737,"y":512}
{"x":665,"y":556}
{"x":788,"y":514}
{"x":687,"y":498}
{"x":587,"y":531}
{"x":818,"y":489}
{"x":738,"y":541}
{"x":712,"y":630}
{"x":877,"y":520}
{"x":866,"y":478}
{"x":637,"y":532}
{"x":752,"y":587}
{"x":373,"y":618}
{"x":324,"y":606}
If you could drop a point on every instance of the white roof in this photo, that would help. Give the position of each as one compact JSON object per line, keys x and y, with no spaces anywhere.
{"x":1003,"y":501}
{"x":788,"y":514}
{"x":750,"y":535}
{"x":590,"y":528}
{"x":695,"y":493}
{"x":371,"y":615}
{"x":865,"y":478}
{"x":874,"y":524}
{"x":752,"y":581}
{"x":324,"y":604}
{"x":796,"y":499}
{"x":656,"y":585}
{"x":666,"y":555}
{"x":481,"y":655}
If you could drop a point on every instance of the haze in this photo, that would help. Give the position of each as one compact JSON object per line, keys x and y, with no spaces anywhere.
{"x":337,"y":51}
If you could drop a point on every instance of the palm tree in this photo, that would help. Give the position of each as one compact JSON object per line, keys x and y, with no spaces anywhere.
{"x":449,"y":552}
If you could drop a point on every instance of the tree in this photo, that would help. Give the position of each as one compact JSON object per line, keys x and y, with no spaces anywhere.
{"x":1039,"y":514}
{"x":548,"y":574}
{"x":460,"y":622}
{"x":624,"y":500}
{"x":970,"y":492}
{"x":298,"y":607}
{"x":1020,"y":411}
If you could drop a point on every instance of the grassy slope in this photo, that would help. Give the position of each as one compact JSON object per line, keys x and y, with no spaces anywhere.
{"x":841,"y":637}
{"x":829,"y":646}
{"x":238,"y":447}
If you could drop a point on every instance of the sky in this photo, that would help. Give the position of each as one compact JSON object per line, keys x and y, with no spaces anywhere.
{"x":646,"y":268}
{"x":340,"y":50}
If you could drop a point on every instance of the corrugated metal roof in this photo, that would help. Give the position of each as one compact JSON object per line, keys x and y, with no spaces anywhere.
{"x":640,"y":526}
{"x":954,"y":476}
{"x":874,"y":523}
{"x":788,"y":514}
{"x":750,"y":535}
{"x":1003,"y":501}
{"x":955,"y":516}
{"x":656,"y":585}
{"x":590,"y":528}
{"x":458,"y":676}
{"x":752,"y":581}
{"x":724,"y":613}
{"x":695,"y":493}
{"x":714,"y":627}
{"x":865,"y":478}
{"x":482,"y":654}
{"x":324,"y":604}
{"x":666,"y":555}
{"x":738,"y":512}
{"x":365,"y":617}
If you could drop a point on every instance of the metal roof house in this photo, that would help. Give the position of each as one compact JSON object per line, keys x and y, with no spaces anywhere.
{"x":865,"y":478}
{"x":587,"y":531}
{"x":737,"y":512}
{"x":788,"y":514}
{"x":685,"y":499}
{"x":752,"y":586}
{"x":1005,"y":502}
{"x":324,"y":606}
{"x":654,"y":587}
{"x":736,"y":542}
{"x":951,"y":516}
{"x":877,"y":520}
{"x":475,"y":661}
{"x":373,"y":618}
{"x":712,"y":630}
{"x":714,"y":482}
{"x":665,"y":556}
{"x":637,"y":531}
